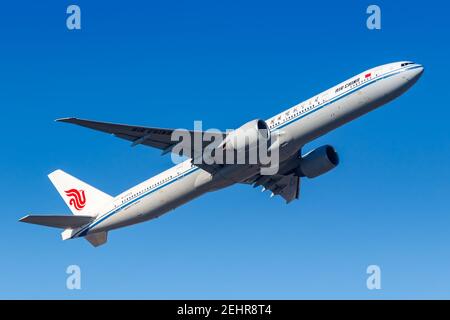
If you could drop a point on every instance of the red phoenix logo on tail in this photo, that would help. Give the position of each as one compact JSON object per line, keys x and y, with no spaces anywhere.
{"x":77,"y":198}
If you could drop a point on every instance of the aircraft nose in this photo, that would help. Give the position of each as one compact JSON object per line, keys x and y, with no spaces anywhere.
{"x":412,"y":75}
{"x":417,"y":72}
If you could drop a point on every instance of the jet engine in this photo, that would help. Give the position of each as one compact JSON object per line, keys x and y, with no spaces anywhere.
{"x":249,"y":136}
{"x":318,"y":162}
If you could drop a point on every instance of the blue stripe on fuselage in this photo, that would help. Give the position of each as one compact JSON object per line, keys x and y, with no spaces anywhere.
{"x":84,"y":230}
{"x":343,"y":95}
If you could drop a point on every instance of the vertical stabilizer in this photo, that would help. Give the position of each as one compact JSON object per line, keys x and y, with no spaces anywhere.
{"x":80,"y":197}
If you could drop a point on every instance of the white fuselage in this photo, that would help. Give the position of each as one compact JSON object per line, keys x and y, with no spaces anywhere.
{"x":299,"y":125}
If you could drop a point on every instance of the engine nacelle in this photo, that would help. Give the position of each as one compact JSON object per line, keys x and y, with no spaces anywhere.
{"x":318,"y":162}
{"x":248,"y":136}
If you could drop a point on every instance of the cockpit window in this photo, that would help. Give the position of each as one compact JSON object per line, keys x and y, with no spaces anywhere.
{"x":407,"y":63}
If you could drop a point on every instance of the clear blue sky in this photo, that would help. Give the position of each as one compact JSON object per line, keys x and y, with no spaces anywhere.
{"x":168,"y":63}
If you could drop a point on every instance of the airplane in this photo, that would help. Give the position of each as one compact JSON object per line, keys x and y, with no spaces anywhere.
{"x":95,"y":213}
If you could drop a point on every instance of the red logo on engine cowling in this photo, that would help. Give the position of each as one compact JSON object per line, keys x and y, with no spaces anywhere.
{"x":77,"y":198}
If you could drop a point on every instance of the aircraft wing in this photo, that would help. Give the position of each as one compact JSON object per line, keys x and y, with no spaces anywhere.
{"x":286,"y":186}
{"x":159,"y":138}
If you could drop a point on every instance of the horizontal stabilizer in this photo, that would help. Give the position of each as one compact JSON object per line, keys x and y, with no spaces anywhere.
{"x":97,"y":239}
{"x":57,"y":221}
